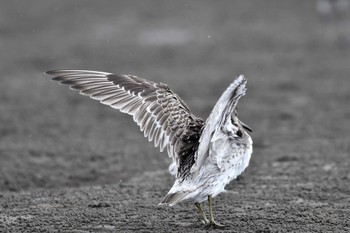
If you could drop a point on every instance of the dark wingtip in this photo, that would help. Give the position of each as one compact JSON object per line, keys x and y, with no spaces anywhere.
{"x":50,"y":72}
{"x":59,"y":72}
{"x":54,"y":73}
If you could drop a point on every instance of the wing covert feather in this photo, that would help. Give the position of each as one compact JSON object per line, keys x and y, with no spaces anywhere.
{"x":160,"y":113}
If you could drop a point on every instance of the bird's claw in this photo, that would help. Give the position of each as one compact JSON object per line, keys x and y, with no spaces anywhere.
{"x":205,"y":221}
{"x":213,"y":224}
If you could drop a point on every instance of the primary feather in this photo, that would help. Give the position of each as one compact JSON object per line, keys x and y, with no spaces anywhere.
{"x":160,"y":113}
{"x":206,"y":155}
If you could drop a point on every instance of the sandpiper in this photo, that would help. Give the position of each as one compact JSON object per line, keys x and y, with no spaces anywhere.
{"x":206,"y":155}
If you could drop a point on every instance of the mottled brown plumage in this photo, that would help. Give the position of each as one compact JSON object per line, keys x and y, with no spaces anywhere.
{"x":206,"y":155}
{"x":160,"y":113}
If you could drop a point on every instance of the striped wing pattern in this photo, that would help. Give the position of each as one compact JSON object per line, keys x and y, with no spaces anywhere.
{"x":222,"y":110}
{"x":160,"y":113}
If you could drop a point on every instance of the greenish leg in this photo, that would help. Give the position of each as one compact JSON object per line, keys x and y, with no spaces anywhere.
{"x":212,"y":222}
{"x":201,"y":213}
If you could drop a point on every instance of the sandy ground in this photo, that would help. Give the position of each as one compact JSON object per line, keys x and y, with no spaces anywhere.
{"x":69,"y":164}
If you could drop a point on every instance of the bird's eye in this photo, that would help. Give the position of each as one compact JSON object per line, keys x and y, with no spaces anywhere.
{"x":239,"y":133}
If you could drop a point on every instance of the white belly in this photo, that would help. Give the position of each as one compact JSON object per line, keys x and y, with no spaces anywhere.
{"x":231,"y":172}
{"x":212,"y":181}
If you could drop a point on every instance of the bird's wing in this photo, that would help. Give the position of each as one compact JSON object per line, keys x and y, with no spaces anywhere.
{"x":221,"y":112}
{"x":160,"y":113}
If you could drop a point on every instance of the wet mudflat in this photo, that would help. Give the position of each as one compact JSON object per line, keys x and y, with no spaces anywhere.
{"x":69,"y":164}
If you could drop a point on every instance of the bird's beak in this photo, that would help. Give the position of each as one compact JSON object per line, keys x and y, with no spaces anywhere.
{"x":246,"y":127}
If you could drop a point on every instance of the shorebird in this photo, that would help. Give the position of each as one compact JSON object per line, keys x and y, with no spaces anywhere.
{"x":206,"y":155}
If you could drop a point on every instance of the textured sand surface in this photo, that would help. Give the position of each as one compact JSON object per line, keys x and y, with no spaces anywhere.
{"x":70,"y":164}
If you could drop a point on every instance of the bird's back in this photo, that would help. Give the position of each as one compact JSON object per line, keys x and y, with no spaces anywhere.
{"x":218,"y":156}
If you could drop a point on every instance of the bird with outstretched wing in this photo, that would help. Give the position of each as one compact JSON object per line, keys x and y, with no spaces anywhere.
{"x":206,"y":156}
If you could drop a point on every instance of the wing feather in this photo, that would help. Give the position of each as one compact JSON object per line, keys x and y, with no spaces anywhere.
{"x":225,"y":105}
{"x":161,"y":114}
{"x":96,"y":89}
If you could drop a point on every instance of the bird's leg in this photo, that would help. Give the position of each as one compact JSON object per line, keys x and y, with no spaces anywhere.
{"x":201,"y":213}
{"x":212,"y":222}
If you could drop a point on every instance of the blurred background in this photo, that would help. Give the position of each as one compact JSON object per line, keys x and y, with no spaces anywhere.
{"x":295,"y":55}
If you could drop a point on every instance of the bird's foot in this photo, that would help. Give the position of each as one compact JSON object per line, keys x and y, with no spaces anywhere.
{"x":205,"y":221}
{"x":213,"y":224}
{"x":202,"y":216}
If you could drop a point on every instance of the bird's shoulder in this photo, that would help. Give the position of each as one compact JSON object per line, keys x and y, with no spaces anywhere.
{"x":188,"y":147}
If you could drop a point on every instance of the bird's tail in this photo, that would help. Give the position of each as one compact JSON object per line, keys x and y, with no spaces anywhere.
{"x":173,"y":198}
